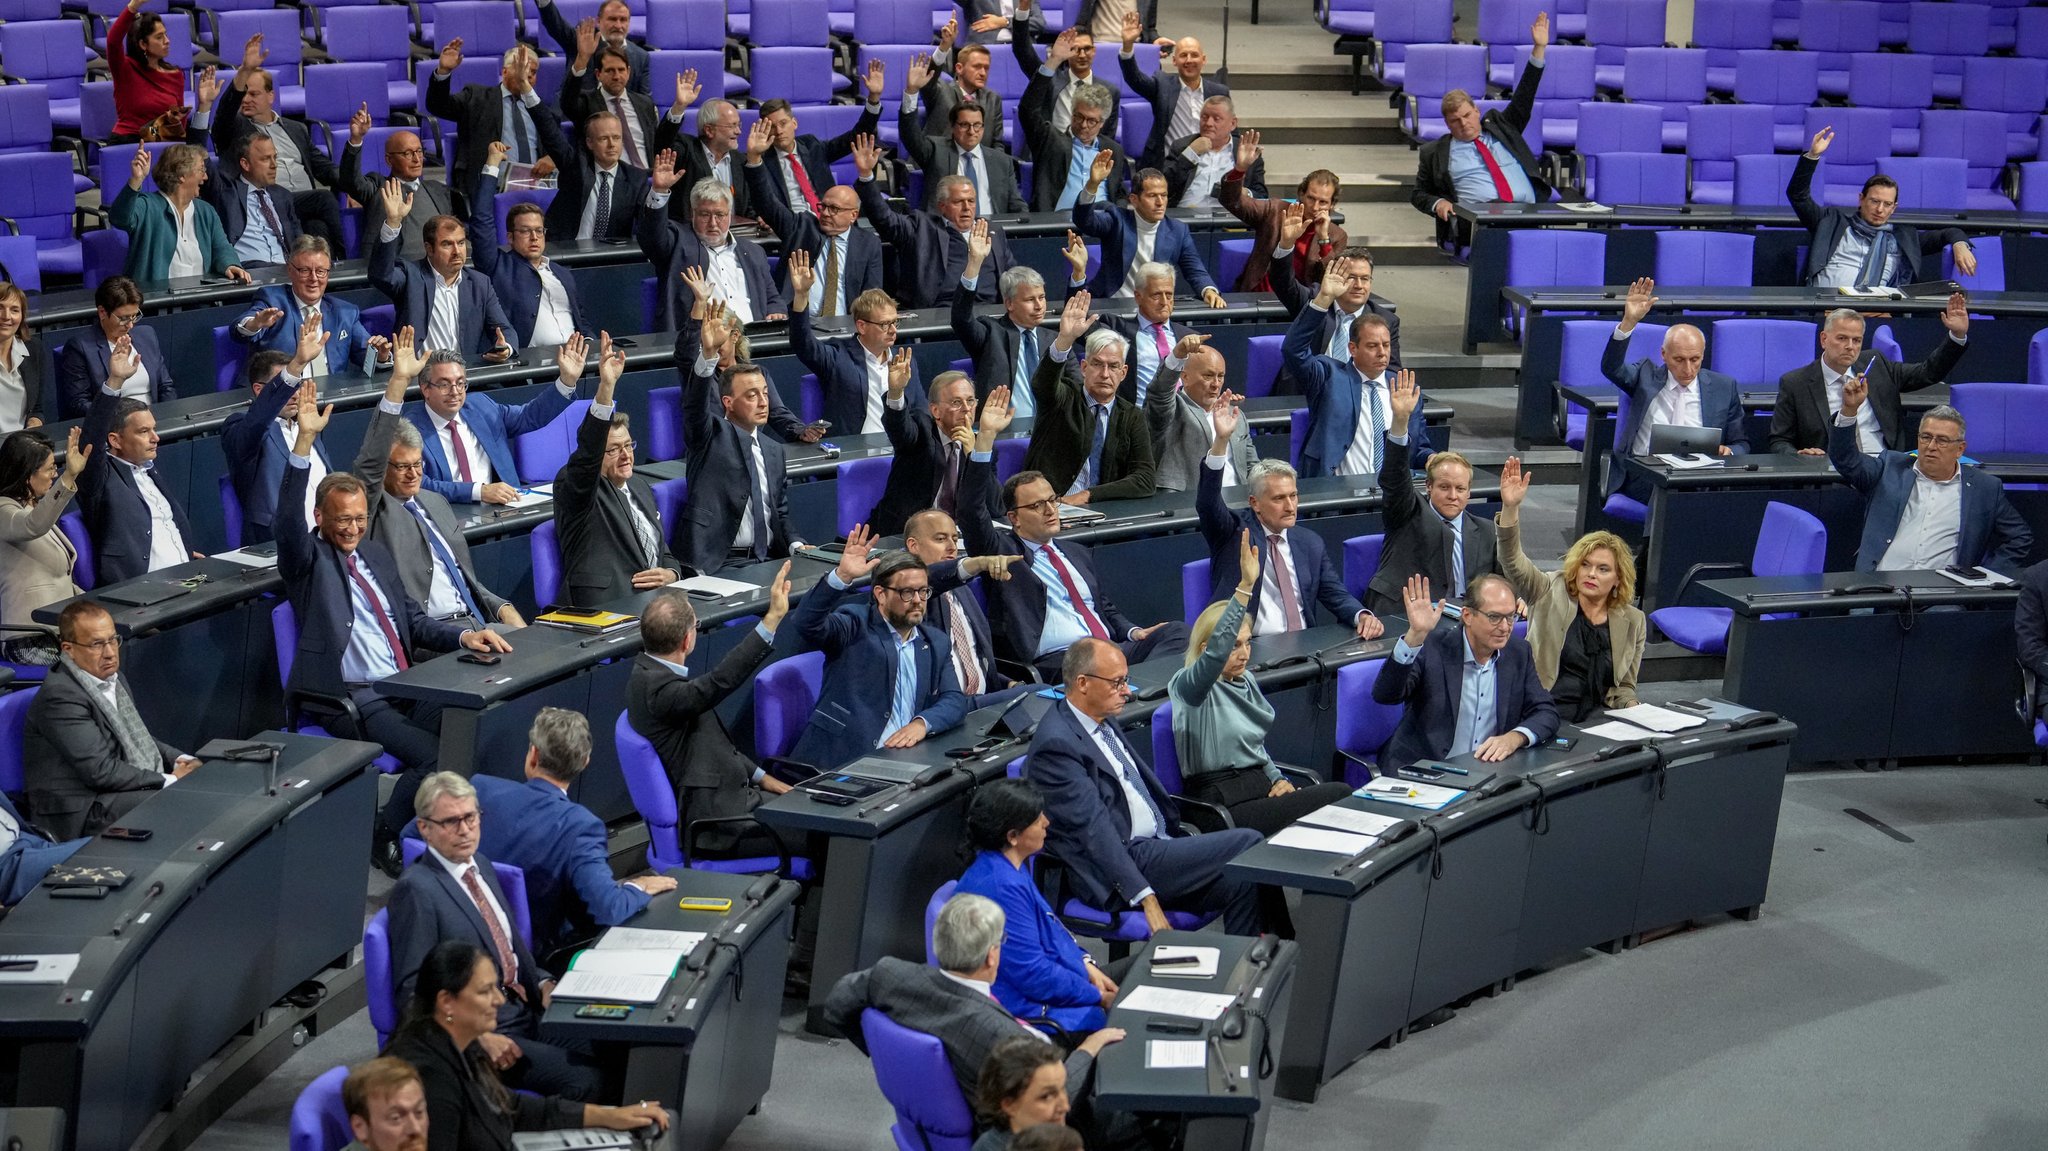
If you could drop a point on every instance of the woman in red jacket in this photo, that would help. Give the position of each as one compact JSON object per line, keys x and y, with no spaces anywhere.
{"x":145,"y":85}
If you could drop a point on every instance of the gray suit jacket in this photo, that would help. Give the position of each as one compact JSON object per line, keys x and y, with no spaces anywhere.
{"x":400,"y":531}
{"x":921,"y":998}
{"x":1419,"y":541}
{"x":76,"y":780}
{"x":1182,"y":433}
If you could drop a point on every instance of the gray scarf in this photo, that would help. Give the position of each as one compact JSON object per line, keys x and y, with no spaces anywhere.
{"x":138,"y":748}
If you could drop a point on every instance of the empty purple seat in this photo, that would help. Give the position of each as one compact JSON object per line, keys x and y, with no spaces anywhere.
{"x":51,"y":53}
{"x":1670,"y":80}
{"x":1504,"y":27}
{"x":2033,"y":195}
{"x":1434,"y":69}
{"x":1785,"y":21}
{"x":480,"y":23}
{"x":40,"y":198}
{"x":1757,"y":352}
{"x":1715,"y":134}
{"x":1837,"y":29}
{"x":790,"y":24}
{"x":1726,"y":27}
{"x":1398,"y":26}
{"x":1862,"y":137}
{"x":1615,"y":26}
{"x":1990,"y":275}
{"x":1902,"y":84}
{"x":1571,"y":20}
{"x":1947,"y":35}
{"x":374,"y":33}
{"x":2013,"y":88}
{"x":2004,"y":22}
{"x":665,"y":65}
{"x":1979,"y":140}
{"x":1539,"y":258}
{"x":1789,"y":541}
{"x":1928,"y":182}
{"x":2031,"y":34}
{"x":1608,"y":127}
{"x":1786,"y":82}
{"x":1578,"y":363}
{"x":1690,"y":258}
{"x":2003,"y":417}
{"x":1567,"y":83}
{"x":1636,"y":178}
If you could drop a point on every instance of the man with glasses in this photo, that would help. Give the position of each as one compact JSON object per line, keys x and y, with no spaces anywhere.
{"x":452,"y":306}
{"x":88,"y":758}
{"x":1809,"y":397}
{"x":889,"y":678}
{"x":1353,"y":300}
{"x":1862,"y":247}
{"x":1112,"y":823}
{"x":1434,"y":536}
{"x":735,"y":269}
{"x":1928,"y":510}
{"x":1090,"y":441}
{"x":931,"y":247}
{"x":960,"y":153}
{"x":1039,"y":618}
{"x":1066,"y":157}
{"x":405,"y":160}
{"x":469,"y":435}
{"x":417,"y":525}
{"x":931,"y":443}
{"x":611,"y":539}
{"x":854,"y":375}
{"x":1468,"y":690}
{"x":280,"y":310}
{"x":1066,"y":71}
{"x":82,"y":366}
{"x":539,"y":295}
{"x":357,"y":624}
{"x":738,"y":510}
{"x":846,"y":261}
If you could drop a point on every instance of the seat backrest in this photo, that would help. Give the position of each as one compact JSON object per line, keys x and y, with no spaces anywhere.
{"x":653,"y":796}
{"x":1929,"y":181}
{"x":695,"y":24}
{"x":13,"y":722}
{"x":541,"y":452}
{"x":1731,"y":24}
{"x":2037,"y":358}
{"x":2003,"y":417}
{"x":379,"y":986}
{"x":860,"y":489}
{"x":1891,"y":80}
{"x":51,"y":52}
{"x":785,"y":693}
{"x":18,"y":253}
{"x":1762,"y":179}
{"x":1504,"y":24}
{"x":1434,"y":69}
{"x":1665,"y":75}
{"x":370,"y":32}
{"x":1419,"y":22}
{"x":1362,"y":562}
{"x":41,"y":196}
{"x":1791,"y":541}
{"x":319,"y":1121}
{"x":1636,"y":178}
{"x":283,"y":48}
{"x":1297,"y":428}
{"x":25,"y":116}
{"x":230,"y":512}
{"x":663,"y":435}
{"x":1585,"y":340}
{"x":1261,"y":365}
{"x":789,"y":23}
{"x":1607,"y":127}
{"x":1839,"y":26}
{"x":1363,"y":725}
{"x":1949,"y":29}
{"x":1687,"y":257}
{"x":1542,"y":257}
{"x":1165,"y":754}
{"x":1976,"y":137}
{"x":482,"y":25}
{"x":931,"y":917}
{"x":1757,"y":352}
{"x":1194,"y":589}
{"x":1763,"y":76}
{"x":912,"y":1071}
{"x":891,"y":22}
{"x":335,"y":91}
{"x":668,"y":499}
{"x":2000,"y":84}
{"x":84,"y":572}
{"x":546,"y":553}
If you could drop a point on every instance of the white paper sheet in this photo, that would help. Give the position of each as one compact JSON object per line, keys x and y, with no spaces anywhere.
{"x":1621,"y":732}
{"x":1692,"y":461}
{"x":1164,"y":1053}
{"x":619,"y":962}
{"x":247,"y":558}
{"x":714,"y":585}
{"x":1655,"y":718}
{"x":47,"y":969}
{"x":534,"y":496}
{"x":1350,"y":819}
{"x":1320,"y":839}
{"x":611,"y":988}
{"x":643,"y":939}
{"x":1172,"y":1001}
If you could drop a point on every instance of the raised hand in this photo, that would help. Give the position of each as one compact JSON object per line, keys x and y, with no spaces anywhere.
{"x":1131,"y":30}
{"x":1642,"y":296}
{"x":1333,"y":283}
{"x":397,"y":202}
{"x":996,"y":414}
{"x":1186,"y":345}
{"x":312,"y":339}
{"x":700,"y":290}
{"x":778,"y":598}
{"x":75,"y":455}
{"x":899,"y":373}
{"x":1821,"y":140}
{"x":1074,"y":320}
{"x":719,"y":326}
{"x":571,"y":356}
{"x":1855,"y":389}
{"x":1956,"y":317}
{"x":1099,"y":170}
{"x":266,"y":318}
{"x":687,"y":89}
{"x":1514,"y":483}
{"x":451,"y":56}
{"x":495,"y":154}
{"x":1224,"y":417}
{"x":138,"y":167}
{"x":359,"y":124}
{"x":1422,"y":611}
{"x":759,"y":138}
{"x":978,"y":245}
{"x":950,"y":33}
{"x":1248,"y":150}
{"x":586,"y":41}
{"x":312,"y":417}
{"x":124,"y":363}
{"x":1404,"y":395}
{"x":662,"y":176}
{"x":1293,"y":222}
{"x":500,"y":350}
{"x":408,"y":360}
{"x":918,"y":74}
{"x":1539,"y":34}
{"x":800,"y":277}
{"x":207,"y":87}
{"x":611,"y":361}
{"x":253,"y":54}
{"x":876,"y":76}
{"x":1247,"y":562}
{"x":866,"y":154}
{"x":1062,"y":49}
{"x":854,"y":561}
{"x":1076,"y":253}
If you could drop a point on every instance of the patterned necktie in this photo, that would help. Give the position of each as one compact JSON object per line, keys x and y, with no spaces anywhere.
{"x":828,"y":288}
{"x":377,"y":609}
{"x":949,"y":484}
{"x":522,"y":147}
{"x":1457,"y":546}
{"x":963,"y":643}
{"x":967,"y":169}
{"x":508,"y":959}
{"x":601,"y":220}
{"x":757,"y":498}
{"x":1129,"y":770}
{"x":446,"y":558}
{"x":1095,"y":447}
{"x":1377,"y":426}
{"x":318,"y":368}
{"x":650,"y":548}
{"x":626,"y":129}
{"x":462,"y":471}
{"x":1283,"y":578}
{"x":270,"y":219}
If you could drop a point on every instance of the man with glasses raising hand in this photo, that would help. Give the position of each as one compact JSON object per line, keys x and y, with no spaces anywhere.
{"x":1499,"y":707}
{"x":1926,"y":511}
{"x":889,"y":679}
{"x":468,"y":436}
{"x":279,"y":310}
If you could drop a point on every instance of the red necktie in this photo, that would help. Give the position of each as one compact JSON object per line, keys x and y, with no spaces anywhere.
{"x":1500,"y":179}
{"x":803,"y":182}
{"x":377,"y":609}
{"x":508,"y":959}
{"x":1081,"y":608}
{"x":461,"y":453}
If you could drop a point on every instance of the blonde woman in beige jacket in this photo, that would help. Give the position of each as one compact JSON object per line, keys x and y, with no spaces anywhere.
{"x":35,"y":556}
{"x":1587,"y":633}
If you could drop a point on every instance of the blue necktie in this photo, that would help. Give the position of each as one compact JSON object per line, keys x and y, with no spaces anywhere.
{"x":757,"y":506}
{"x":447,"y":559}
{"x":522,"y":148}
{"x":967,"y":170}
{"x":903,"y":701}
{"x":1111,"y":737}
{"x":1095,"y":449}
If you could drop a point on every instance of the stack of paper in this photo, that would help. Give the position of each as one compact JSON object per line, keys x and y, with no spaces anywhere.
{"x":634,"y":968}
{"x":1169,"y":1053}
{"x":248,"y":558}
{"x":1691,"y":461}
{"x":1351,"y":819}
{"x":1655,"y":718}
{"x":1621,"y":732}
{"x":642,"y":939}
{"x":1305,"y":838}
{"x":1424,"y":795}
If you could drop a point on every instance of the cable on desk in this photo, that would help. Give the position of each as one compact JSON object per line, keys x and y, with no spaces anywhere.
{"x":1539,"y":812}
{"x":1906,"y":617}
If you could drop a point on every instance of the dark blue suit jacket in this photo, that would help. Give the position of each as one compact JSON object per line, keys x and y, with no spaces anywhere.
{"x":560,"y":844}
{"x":348,"y":342}
{"x":255,"y":448}
{"x":719,"y":470}
{"x":116,"y":517}
{"x":512,"y":277}
{"x":1044,"y":972}
{"x":1332,"y":388}
{"x":930,"y":253}
{"x":319,"y":591}
{"x":1161,"y":90}
{"x":841,"y":368}
{"x":853,"y":708}
{"x":1091,"y":820}
{"x":945,"y":578}
{"x":671,"y":247}
{"x":1994,"y":535}
{"x":410,"y":284}
{"x":799,"y":230}
{"x":25,"y":862}
{"x":1316,"y":579}
{"x":1117,"y":227}
{"x":83,"y":369}
{"x":1720,"y":401}
{"x":494,"y":424}
{"x":428,"y":907}
{"x":1430,"y":688}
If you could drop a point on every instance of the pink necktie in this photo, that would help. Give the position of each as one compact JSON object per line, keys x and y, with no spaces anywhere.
{"x":461,"y":453}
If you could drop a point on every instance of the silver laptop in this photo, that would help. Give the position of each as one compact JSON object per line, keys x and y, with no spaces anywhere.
{"x":1677,"y":439}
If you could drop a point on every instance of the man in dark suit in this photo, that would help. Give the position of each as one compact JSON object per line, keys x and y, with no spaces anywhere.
{"x":889,"y":679}
{"x":1467,"y":165}
{"x":357,"y":624}
{"x":1354,"y":299}
{"x":1349,"y":400}
{"x":933,"y":537}
{"x":1863,"y":248}
{"x":735,"y":269}
{"x":1005,"y":351}
{"x":596,"y":191}
{"x":258,"y":441}
{"x":738,"y":510}
{"x":611,"y":539}
{"x":713,"y":153}
{"x":1150,"y":336}
{"x":509,"y":110}
{"x":950,"y":1001}
{"x":1471,"y":689}
{"x":930,"y":443}
{"x":250,"y":106}
{"x":611,"y":31}
{"x":1677,"y":392}
{"x":83,"y":364}
{"x":961,"y":152}
{"x":87,"y":758}
{"x":931,"y":247}
{"x":1186,"y":410}
{"x":1809,"y":397}
{"x":452,"y":307}
{"x":1435,"y":537}
{"x":1066,"y":157}
{"x":452,"y":892}
{"x":1090,"y":442}
{"x":1062,"y":601}
{"x":2030,"y":622}
{"x":969,"y":85}
{"x":1916,"y":518}
{"x":1138,"y":233}
{"x":1317,"y":239}
{"x":638,"y":118}
{"x":1177,"y":100}
{"x":136,"y":523}
{"x":540,"y":295}
{"x":1196,"y":165}
{"x":559,"y":843}
{"x":678,"y":713}
{"x":469,"y":435}
{"x":802,"y":168}
{"x":1295,"y":572}
{"x":280,"y":310}
{"x":416,"y":525}
{"x":1067,"y":69}
{"x":846,"y":260}
{"x":854,"y":375}
{"x":1112,"y":823}
{"x":405,"y":161}
{"x":256,"y":212}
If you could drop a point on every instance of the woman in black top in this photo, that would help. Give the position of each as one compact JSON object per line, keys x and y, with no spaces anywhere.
{"x":455,"y":1003}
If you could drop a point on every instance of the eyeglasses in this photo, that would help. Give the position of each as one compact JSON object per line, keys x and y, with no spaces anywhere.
{"x":1036,"y":506}
{"x":97,"y":646}
{"x":1496,"y":618}
{"x":1120,"y":683}
{"x":346,"y":521}
{"x":408,"y":154}
{"x":909,"y":593}
{"x":411,"y":469}
{"x":625,"y":449}
{"x":825,"y":209}
{"x":529,"y":231}
{"x":1932,"y":440}
{"x":447,"y":385}
{"x":461,"y":822}
{"x":309,"y":273}
{"x":125,"y":320}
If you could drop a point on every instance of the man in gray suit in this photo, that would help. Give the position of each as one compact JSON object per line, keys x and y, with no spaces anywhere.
{"x":954,"y":1001}
{"x":1182,"y":420}
{"x":88,"y":758}
{"x":1436,"y":537}
{"x":417,"y":525}
{"x":993,"y":173}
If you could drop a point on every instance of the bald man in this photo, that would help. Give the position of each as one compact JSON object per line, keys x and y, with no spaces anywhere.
{"x":1676,"y":391}
{"x":405,"y":161}
{"x":1176,"y":96}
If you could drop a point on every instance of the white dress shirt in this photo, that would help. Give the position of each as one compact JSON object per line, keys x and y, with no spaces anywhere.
{"x":186,"y":258}
{"x":1148,"y":236}
{"x":1678,"y":405}
{"x":730,"y":280}
{"x":1210,"y":168}
{"x":13,"y":389}
{"x":553,"y":323}
{"x":444,"y":313}
{"x":1869,"y":437}
{"x":479,"y":463}
{"x":586,"y":224}
{"x":455,"y":871}
{"x":166,"y":543}
{"x":1143,"y":825}
{"x":878,"y":386}
{"x":1362,"y":458}
{"x":1187,"y":108}
{"x":1930,"y":525}
{"x":744,"y":538}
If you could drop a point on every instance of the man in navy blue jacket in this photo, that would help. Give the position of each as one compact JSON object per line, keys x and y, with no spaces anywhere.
{"x":854,"y":375}
{"x":738,"y":510}
{"x":1138,"y":233}
{"x":831,"y":235}
{"x":136,"y":524}
{"x":559,"y":843}
{"x":1677,"y":392}
{"x":539,"y":295}
{"x":1350,"y":401}
{"x":931,"y":247}
{"x":889,"y":679}
{"x":279,"y":310}
{"x":1929,"y":510}
{"x":449,"y":305}
{"x":1471,"y":689}
{"x":736,"y":269}
{"x":468,"y":436}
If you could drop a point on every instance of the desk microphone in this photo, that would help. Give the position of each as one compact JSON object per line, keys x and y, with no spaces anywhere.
{"x":759,"y":889}
{"x":1619,"y":749}
{"x":155,"y":889}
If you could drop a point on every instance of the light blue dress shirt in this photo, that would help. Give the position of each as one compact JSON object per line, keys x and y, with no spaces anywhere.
{"x":1475,"y":698}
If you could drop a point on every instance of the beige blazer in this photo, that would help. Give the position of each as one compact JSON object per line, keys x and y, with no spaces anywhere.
{"x":1551,"y":608}
{"x":35,"y":558}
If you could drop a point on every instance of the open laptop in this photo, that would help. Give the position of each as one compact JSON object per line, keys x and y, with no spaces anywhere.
{"x":1679,"y":440}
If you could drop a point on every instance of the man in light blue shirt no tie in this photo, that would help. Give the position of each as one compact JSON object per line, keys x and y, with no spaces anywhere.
{"x":1499,"y":705}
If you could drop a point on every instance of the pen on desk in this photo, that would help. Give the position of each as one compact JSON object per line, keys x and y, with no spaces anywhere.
{"x":1445,"y":767}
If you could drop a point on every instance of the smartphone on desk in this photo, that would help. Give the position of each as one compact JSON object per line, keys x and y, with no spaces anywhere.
{"x":128,"y":834}
{"x":480,"y":658}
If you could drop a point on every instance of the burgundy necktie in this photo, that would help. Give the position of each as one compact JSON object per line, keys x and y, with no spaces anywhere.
{"x":377,"y":609}
{"x":461,"y":453}
{"x":1081,"y":608}
{"x":508,"y":959}
{"x":632,"y":149}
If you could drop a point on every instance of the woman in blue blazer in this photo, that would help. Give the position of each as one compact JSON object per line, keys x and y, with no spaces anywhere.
{"x":1044,"y":973}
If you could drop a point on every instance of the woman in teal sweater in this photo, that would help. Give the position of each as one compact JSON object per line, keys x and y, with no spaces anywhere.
{"x":171,"y":231}
{"x":1220,"y":719}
